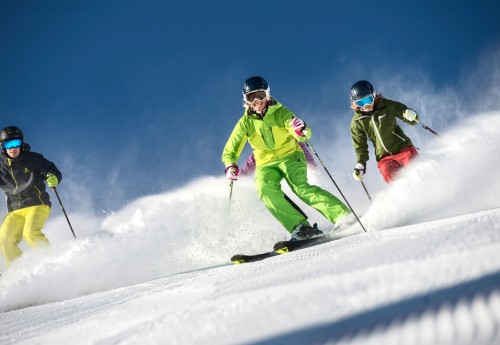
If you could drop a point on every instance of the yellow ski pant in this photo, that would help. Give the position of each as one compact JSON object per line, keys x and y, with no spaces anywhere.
{"x":25,"y":222}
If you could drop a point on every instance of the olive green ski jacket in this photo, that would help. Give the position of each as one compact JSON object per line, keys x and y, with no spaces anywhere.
{"x":381,"y":128}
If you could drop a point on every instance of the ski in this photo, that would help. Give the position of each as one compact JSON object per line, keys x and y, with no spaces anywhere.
{"x":283,"y":247}
{"x":242,"y":258}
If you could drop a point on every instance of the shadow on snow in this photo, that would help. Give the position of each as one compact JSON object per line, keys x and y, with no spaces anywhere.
{"x":384,"y":316}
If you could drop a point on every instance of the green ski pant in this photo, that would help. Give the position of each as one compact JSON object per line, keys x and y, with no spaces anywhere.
{"x":294,"y":170}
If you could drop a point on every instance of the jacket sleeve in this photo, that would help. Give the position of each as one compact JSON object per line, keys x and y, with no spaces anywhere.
{"x":399,"y":109}
{"x":47,"y":167}
{"x":235,"y":144}
{"x":359,"y":142}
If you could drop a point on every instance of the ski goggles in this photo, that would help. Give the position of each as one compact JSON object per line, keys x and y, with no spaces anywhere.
{"x":255,"y":96}
{"x":365,"y":101}
{"x":12,"y":144}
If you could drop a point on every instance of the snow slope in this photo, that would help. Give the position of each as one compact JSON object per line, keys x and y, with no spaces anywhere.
{"x":427,"y":272}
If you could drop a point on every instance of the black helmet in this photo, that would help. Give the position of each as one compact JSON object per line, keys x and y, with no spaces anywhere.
{"x":361,"y":89}
{"x":10,"y":133}
{"x":254,"y":84}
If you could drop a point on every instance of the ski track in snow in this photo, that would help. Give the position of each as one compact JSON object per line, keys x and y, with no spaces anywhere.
{"x":427,"y":272}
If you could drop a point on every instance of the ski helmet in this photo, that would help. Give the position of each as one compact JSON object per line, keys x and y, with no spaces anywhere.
{"x":256,"y":83}
{"x":10,"y":133}
{"x":361,"y":89}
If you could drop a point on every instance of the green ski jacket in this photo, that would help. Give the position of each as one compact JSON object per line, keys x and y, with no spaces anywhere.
{"x":381,"y":128}
{"x":270,"y":137}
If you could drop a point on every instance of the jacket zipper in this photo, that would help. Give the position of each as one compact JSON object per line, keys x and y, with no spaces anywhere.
{"x":39,"y":195}
{"x":272,"y":137}
{"x":14,"y":179}
{"x":379,"y":137}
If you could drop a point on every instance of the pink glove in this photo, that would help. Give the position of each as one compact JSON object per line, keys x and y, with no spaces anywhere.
{"x":298,"y":125}
{"x":232,"y":172}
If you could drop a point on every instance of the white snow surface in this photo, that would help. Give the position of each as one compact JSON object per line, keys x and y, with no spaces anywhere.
{"x":158,"y":271}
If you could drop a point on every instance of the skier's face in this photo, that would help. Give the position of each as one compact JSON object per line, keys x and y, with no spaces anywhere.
{"x":258,"y":105}
{"x":257,"y":100}
{"x":366,"y":103}
{"x":12,"y":147}
{"x":14,"y":152}
{"x":367,"y":107}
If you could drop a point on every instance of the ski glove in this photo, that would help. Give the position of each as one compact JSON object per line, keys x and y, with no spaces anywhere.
{"x":359,"y":171}
{"x":410,"y":115}
{"x":51,"y":180}
{"x":298,"y":126}
{"x":232,"y":172}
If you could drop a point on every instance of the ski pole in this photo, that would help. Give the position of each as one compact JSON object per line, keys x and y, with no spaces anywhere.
{"x":230,"y":189}
{"x":64,"y":211}
{"x":366,"y":191}
{"x":331,"y":178}
{"x":428,"y":128}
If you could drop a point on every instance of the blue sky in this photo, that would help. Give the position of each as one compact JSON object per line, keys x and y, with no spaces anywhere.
{"x":131,"y":98}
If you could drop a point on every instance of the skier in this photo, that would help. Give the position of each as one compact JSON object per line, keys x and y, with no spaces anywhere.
{"x":22,"y":177}
{"x":249,"y":167}
{"x":375,"y":120}
{"x":273,"y":132}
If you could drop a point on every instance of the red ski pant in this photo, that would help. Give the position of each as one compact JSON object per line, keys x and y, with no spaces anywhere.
{"x":390,"y":165}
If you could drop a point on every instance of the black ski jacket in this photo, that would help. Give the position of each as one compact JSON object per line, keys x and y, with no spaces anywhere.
{"x":23,"y":179}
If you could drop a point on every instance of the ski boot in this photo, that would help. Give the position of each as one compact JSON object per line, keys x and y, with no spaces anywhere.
{"x":304,"y":231}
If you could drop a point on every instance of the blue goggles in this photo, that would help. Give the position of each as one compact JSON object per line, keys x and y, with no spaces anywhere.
{"x":12,"y":144}
{"x":365,"y":101}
